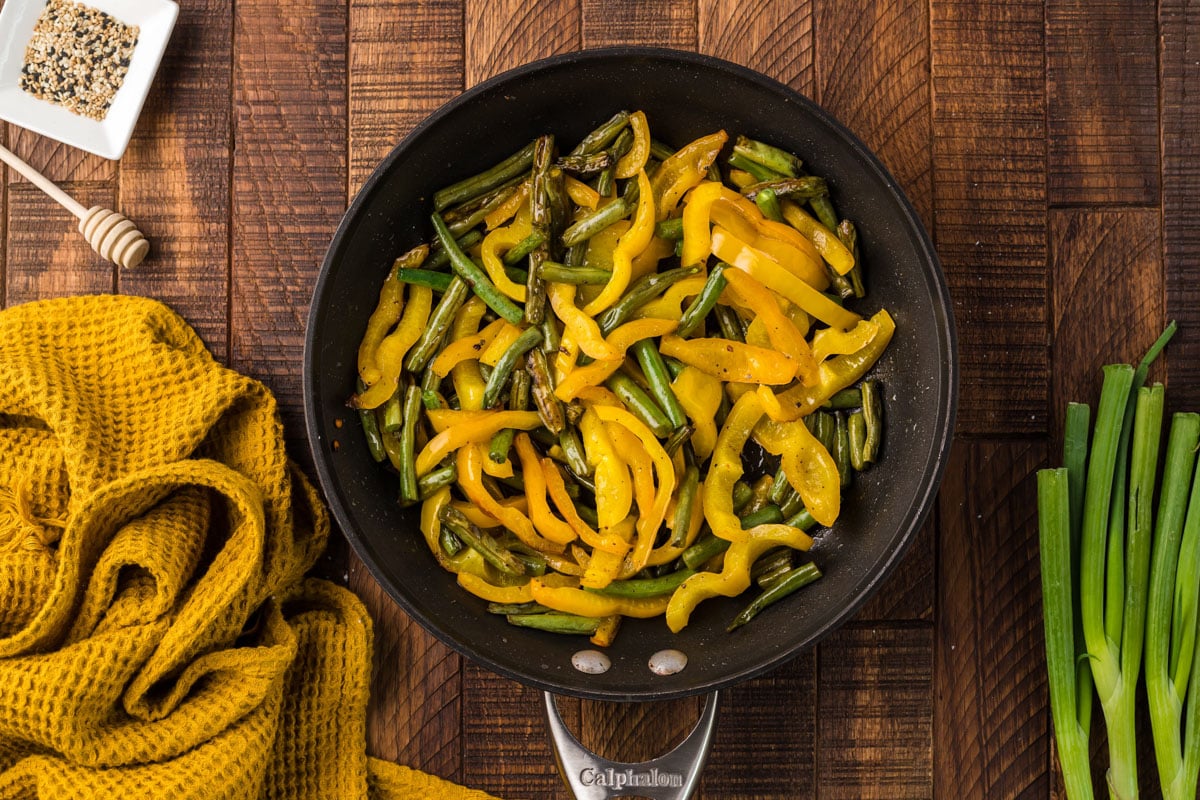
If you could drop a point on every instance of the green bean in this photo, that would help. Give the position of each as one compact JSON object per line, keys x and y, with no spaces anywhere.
{"x":535,"y":563}
{"x":640,"y":292}
{"x":574,"y":411}
{"x":449,"y":543}
{"x":475,"y":277}
{"x":839,"y":284}
{"x":841,"y":448}
{"x":518,"y":400}
{"x":529,"y":339}
{"x":602,"y":136}
{"x":585,"y":165}
{"x":481,"y":541}
{"x":588,"y":226}
{"x":848,"y":235}
{"x":370,"y":427}
{"x":659,"y":381}
{"x":758,"y":171}
{"x":779,"y":487}
{"x":730,"y":323}
{"x":674,"y":366}
{"x":824,"y":427}
{"x":706,"y":548}
{"x":743,"y":493}
{"x":555,"y":622}
{"x":704,"y":303}
{"x":523,"y":248}
{"x":541,"y":385}
{"x":463,"y":218}
{"x":822,"y":206}
{"x":579,"y":276}
{"x":685,"y":504}
{"x":588,"y":514}
{"x":792,"y":505}
{"x":769,"y":156}
{"x":607,"y":180}
{"x":413,"y":258}
{"x":441,"y":258}
{"x":573,"y":452}
{"x":393,"y":413}
{"x":517,"y":275}
{"x":646,"y":587}
{"x":439,"y":323}
{"x":640,"y":403}
{"x":771,"y":565}
{"x":660,"y":150}
{"x":768,"y":514}
{"x":857,"y":428}
{"x":678,"y":438}
{"x":872,"y":411}
{"x":802,"y":519}
{"x":845,"y":399}
{"x":671,"y":229}
{"x":430,"y":482}
{"x":438,"y":281}
{"x":804,"y":187}
{"x":540,"y":219}
{"x":768,"y":204}
{"x":514,"y":481}
{"x":798,"y":578}
{"x":476,"y":185}
{"x":505,"y":609}
{"x":551,"y":337}
{"x":409,"y":492}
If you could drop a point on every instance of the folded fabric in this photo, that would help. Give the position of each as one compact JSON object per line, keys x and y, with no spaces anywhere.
{"x":158,"y":637}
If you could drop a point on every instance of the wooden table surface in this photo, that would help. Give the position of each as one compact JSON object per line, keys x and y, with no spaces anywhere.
{"x":1051,"y":148}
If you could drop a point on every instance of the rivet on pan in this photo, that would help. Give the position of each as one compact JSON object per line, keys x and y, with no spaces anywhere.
{"x":593,"y":662}
{"x":667,"y":662}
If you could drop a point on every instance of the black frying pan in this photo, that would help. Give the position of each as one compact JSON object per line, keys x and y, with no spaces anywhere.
{"x":684,"y":96}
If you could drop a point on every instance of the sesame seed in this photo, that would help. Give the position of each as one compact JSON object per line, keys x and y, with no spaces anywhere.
{"x":78,"y":58}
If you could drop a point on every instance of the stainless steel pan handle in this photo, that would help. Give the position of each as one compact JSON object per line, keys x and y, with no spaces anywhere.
{"x":674,"y":776}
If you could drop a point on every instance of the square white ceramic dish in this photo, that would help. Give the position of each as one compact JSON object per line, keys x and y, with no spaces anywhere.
{"x":107,"y":138}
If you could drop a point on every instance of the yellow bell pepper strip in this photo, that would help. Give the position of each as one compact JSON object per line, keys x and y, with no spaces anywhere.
{"x":731,"y":361}
{"x":465,"y":560}
{"x":734,"y":577}
{"x":668,"y":552}
{"x":805,"y":264}
{"x":635,"y":160}
{"x":832,"y":342}
{"x":697,"y":212}
{"x":442,"y":418}
{"x":493,"y":593}
{"x":670,"y":304}
{"x":510,"y":207}
{"x":475,"y":515}
{"x":641,"y":468}
{"x":386,"y":314}
{"x":824,"y":240}
{"x":502,"y":469}
{"x":683,"y":170}
{"x":567,"y":355}
{"x":540,"y":514}
{"x":479,"y":429}
{"x":756,"y":333}
{"x":768,"y":272}
{"x":566,"y":506}
{"x":646,"y":262}
{"x":741,"y":179}
{"x":465,"y":349}
{"x":600,"y":247}
{"x":809,"y":467}
{"x":604,"y":566}
{"x":503,"y":239}
{"x":635,"y":240}
{"x":566,"y":567}
{"x":733,"y":211}
{"x":503,"y":339}
{"x":700,"y":396}
{"x":650,"y":520}
{"x":606,"y":631}
{"x":614,"y":488}
{"x":834,"y":375}
{"x":389,"y":355}
{"x":619,"y":340}
{"x":783,"y":334}
{"x":470,"y":480}
{"x":591,"y":604}
{"x":581,"y":194}
{"x":582,"y":328}
{"x":467,"y":379}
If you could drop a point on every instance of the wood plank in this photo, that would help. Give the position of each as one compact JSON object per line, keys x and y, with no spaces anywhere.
{"x":774,"y":38}
{"x":175,"y":176}
{"x":289,"y":185}
{"x":382,"y":57}
{"x":766,"y":739}
{"x":992,"y":716}
{"x":1101,"y":76}
{"x":415,"y":713}
{"x":502,"y":34}
{"x":662,"y":23}
{"x":636,"y":732}
{"x":1108,"y":297}
{"x":1179,"y":26}
{"x":872,"y":73}
{"x":990,"y":205}
{"x":46,"y":255}
{"x":876,"y":713}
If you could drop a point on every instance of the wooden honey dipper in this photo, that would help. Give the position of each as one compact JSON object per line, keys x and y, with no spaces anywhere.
{"x":110,"y":234}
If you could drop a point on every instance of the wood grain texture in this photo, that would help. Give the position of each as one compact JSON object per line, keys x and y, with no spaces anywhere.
{"x":635,"y":732}
{"x":502,"y":34}
{"x":1101,"y":77}
{"x":1108,"y":296}
{"x":774,"y":38}
{"x":992,"y":711}
{"x":872,"y":73}
{"x":661,"y":23}
{"x":875,"y":714}
{"x":393,"y":85}
{"x":766,"y":740}
{"x":289,"y":186}
{"x":175,"y":176}
{"x":1179,"y":26}
{"x":989,"y":155}
{"x":415,"y":716}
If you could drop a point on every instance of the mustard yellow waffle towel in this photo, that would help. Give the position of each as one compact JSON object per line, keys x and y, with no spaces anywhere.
{"x":157,"y":635}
